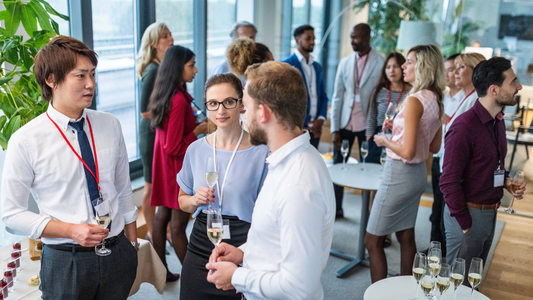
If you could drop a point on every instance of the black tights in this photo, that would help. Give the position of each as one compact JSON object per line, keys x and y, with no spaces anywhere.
{"x":378,"y":260}
{"x":178,"y":220}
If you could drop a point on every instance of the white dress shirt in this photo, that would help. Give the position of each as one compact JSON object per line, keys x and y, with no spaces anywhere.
{"x":450,"y":105}
{"x":292,"y":227}
{"x":39,"y":160}
{"x":310,"y":78}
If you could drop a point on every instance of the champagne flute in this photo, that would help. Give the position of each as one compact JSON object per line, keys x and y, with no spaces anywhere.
{"x":103,"y":218}
{"x":383,"y":156}
{"x":389,"y":114}
{"x":344,"y":151}
{"x":211,"y":177}
{"x":435,"y":245}
{"x":364,"y":153}
{"x":419,"y":268}
{"x":215,"y":230}
{"x":434,"y":262}
{"x":516,"y":183}
{"x":428,"y":284}
{"x":474,"y":273}
{"x":458,"y":274}
{"x":443,"y":280}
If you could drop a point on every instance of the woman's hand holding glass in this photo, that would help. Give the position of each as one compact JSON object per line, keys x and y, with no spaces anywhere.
{"x":204,"y":196}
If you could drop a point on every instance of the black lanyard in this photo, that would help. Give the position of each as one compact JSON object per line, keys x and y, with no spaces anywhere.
{"x":496,"y":139}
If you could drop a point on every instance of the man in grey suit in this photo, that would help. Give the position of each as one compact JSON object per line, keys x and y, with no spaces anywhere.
{"x":357,"y":75}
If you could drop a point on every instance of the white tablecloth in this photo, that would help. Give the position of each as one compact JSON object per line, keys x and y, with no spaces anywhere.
{"x":405,"y":288}
{"x":150,"y":269}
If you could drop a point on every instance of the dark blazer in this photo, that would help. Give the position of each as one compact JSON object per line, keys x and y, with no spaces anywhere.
{"x":322,"y":98}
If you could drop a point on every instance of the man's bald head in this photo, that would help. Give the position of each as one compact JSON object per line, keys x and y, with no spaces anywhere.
{"x":360,"y":38}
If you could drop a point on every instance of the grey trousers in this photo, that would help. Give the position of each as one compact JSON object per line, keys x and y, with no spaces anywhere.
{"x":86,"y":276}
{"x":476,"y":242}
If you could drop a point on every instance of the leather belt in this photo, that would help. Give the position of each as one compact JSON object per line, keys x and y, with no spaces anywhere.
{"x":483,"y":206}
{"x":77,"y":248}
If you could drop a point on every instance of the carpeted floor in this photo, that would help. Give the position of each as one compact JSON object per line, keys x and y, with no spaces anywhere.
{"x":345,"y":239}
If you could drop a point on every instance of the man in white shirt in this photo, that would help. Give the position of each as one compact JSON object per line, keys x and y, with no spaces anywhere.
{"x":292,"y":224}
{"x":69,"y":158}
{"x":357,"y":75}
{"x":240,"y":29}
{"x":317,"y":100}
{"x":451,"y":101}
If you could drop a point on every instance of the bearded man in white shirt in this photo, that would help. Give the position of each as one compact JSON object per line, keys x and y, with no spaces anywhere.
{"x":74,"y":162}
{"x":292,"y":225}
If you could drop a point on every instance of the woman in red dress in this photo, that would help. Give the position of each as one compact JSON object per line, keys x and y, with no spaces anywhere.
{"x":176,"y":129}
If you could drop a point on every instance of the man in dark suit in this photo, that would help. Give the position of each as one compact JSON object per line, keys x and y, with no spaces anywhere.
{"x":317,"y":101}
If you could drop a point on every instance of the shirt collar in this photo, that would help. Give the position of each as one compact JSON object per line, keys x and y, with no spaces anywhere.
{"x":484,"y":115}
{"x":301,"y":58}
{"x":301,"y":141}
{"x":60,"y":119}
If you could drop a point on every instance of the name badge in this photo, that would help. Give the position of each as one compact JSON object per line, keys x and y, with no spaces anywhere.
{"x":227,"y":234}
{"x":357,"y":98}
{"x":499,"y":176}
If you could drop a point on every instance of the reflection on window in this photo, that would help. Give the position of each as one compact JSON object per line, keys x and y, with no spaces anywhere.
{"x":60,"y":6}
{"x":221,"y":16}
{"x":316,"y":20}
{"x":113,"y":26}
{"x":178,"y":15}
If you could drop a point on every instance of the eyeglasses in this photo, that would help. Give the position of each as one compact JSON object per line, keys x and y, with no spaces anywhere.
{"x":228,"y":103}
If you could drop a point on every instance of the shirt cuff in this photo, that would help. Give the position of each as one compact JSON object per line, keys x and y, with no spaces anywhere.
{"x":40,"y":228}
{"x":464,"y":219}
{"x":130,"y":217}
{"x":238,"y":280}
{"x":321,"y":118}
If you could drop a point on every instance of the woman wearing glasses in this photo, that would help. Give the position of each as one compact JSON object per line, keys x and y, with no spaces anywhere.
{"x":241,"y":169}
{"x":175,"y":124}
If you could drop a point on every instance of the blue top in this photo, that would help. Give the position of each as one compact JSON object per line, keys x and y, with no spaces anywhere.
{"x":245,"y":177}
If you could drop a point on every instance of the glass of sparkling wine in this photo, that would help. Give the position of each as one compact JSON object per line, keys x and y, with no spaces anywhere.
{"x":345,"y":146}
{"x":383,"y":156}
{"x":211,"y":176}
{"x":215,"y":230}
{"x":389,"y":114}
{"x":419,"y":268}
{"x":364,"y":153}
{"x":458,"y":274}
{"x":443,"y":280}
{"x":103,"y":218}
{"x":428,"y":284}
{"x":516,"y":183}
{"x":474,"y":274}
{"x":434,"y":262}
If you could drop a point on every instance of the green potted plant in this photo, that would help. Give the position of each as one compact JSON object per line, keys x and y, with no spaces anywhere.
{"x":20,"y":95}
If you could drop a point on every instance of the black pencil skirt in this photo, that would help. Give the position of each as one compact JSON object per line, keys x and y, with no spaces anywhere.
{"x":194,"y":284}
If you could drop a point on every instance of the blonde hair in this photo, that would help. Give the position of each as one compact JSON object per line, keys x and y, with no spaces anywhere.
{"x":469,"y":59}
{"x":429,"y":72}
{"x":147,"y":53}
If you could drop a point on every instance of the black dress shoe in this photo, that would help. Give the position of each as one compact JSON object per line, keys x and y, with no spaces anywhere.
{"x":387,"y":242}
{"x":339,"y":214}
{"x":172,"y":277}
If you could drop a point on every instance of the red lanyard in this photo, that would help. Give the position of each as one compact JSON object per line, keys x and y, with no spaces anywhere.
{"x":97,"y":177}
{"x":460,"y":106}
{"x":397,"y":101}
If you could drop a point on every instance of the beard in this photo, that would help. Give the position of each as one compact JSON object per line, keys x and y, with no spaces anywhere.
{"x":506,"y":99}
{"x":257,"y":136}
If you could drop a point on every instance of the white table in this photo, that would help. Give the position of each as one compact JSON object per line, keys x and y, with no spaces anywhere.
{"x":405,"y":288}
{"x":150,"y":269}
{"x":366,"y":180}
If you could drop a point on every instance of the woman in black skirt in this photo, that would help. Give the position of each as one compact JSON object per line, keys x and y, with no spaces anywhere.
{"x":241,"y":171}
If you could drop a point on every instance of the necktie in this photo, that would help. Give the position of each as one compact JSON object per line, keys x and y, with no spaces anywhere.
{"x":87,"y":155}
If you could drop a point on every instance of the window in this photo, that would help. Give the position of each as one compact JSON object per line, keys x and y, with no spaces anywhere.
{"x":179,"y":17}
{"x":316,"y":19}
{"x":299,"y":18}
{"x":61,"y":6}
{"x":221,"y":15}
{"x":113,"y":35}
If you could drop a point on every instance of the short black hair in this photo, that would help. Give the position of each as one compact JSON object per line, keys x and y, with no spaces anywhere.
{"x":453,"y":56}
{"x":364,"y":27}
{"x":300,"y":30}
{"x":489,"y":72}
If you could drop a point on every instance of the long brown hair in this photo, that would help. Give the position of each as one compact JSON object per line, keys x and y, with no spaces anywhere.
{"x":383,"y":81}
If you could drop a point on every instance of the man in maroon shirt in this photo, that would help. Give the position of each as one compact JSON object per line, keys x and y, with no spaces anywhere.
{"x":473,"y":176}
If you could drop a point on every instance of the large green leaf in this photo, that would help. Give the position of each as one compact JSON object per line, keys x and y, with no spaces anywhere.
{"x":42,"y":16}
{"x":3,"y":14}
{"x":10,"y":44}
{"x":12,"y":55}
{"x":3,"y":120}
{"x":12,"y":20}
{"x":5,"y":80}
{"x":3,"y":141}
{"x":55,"y":26}
{"x":28,"y":20}
{"x":27,"y":60}
{"x":12,"y":126}
{"x":52,"y":11}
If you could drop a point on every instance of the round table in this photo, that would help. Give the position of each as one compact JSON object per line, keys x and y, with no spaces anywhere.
{"x":366,"y":177}
{"x":405,"y":288}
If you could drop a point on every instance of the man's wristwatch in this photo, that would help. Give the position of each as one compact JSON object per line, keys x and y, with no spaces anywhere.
{"x":136,"y":245}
